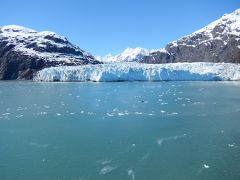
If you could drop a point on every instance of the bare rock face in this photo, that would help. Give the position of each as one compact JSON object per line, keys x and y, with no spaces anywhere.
{"x":24,"y":51}
{"x":217,"y":42}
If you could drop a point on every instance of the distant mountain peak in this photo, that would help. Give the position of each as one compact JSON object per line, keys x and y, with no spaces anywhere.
{"x":128,"y":55}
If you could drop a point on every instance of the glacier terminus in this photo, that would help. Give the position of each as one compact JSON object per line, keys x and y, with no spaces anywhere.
{"x":133,"y":71}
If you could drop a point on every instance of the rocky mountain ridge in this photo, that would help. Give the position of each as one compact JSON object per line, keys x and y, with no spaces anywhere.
{"x":24,"y":51}
{"x":217,"y":42}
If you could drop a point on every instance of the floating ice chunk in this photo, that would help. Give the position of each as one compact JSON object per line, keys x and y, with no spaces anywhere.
{"x":19,"y":116}
{"x":162,"y":111}
{"x":6,"y":114}
{"x":231,"y":145}
{"x":46,"y":106}
{"x":43,"y":113}
{"x":121,"y":114}
{"x":206,"y":166}
{"x":58,"y":114}
{"x":5,"y":117}
{"x":160,"y":141}
{"x":188,"y":99}
{"x":133,"y":145}
{"x":91,"y":113}
{"x":115,"y":109}
{"x":110,"y":114}
{"x":107,"y":169}
{"x":151,"y":114}
{"x":131,"y":173}
{"x":198,"y":103}
{"x":174,"y":113}
{"x":164,"y":103}
{"x":138,"y":113}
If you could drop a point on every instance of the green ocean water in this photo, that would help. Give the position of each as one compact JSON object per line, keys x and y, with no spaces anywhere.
{"x":120,"y":131}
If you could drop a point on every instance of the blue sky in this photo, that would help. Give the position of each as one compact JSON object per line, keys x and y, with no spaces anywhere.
{"x":103,"y":26}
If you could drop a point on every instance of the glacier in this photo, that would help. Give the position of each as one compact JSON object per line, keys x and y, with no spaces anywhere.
{"x":133,"y":71}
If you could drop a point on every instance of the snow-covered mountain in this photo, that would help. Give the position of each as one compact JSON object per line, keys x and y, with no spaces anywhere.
{"x":128,"y":55}
{"x":23,"y":51}
{"x":217,"y":42}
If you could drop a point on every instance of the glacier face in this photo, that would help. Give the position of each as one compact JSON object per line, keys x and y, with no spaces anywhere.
{"x":141,"y":72}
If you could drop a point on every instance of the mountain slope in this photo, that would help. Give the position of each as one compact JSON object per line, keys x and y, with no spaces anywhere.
{"x":217,"y":42}
{"x":24,"y":51}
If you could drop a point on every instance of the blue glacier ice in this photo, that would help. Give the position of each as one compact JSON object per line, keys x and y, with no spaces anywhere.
{"x":198,"y":71}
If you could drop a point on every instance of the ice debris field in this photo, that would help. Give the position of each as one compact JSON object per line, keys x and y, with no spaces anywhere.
{"x":142,"y":72}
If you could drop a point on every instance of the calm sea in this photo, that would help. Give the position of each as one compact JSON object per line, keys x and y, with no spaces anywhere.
{"x":120,"y":131}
